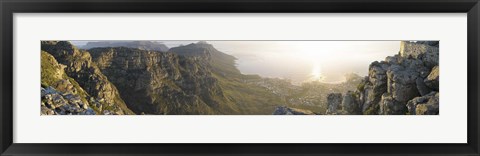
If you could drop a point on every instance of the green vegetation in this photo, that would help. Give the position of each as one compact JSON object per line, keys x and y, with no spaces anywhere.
{"x":53,"y":72}
{"x":361,"y":86}
{"x":248,"y":98}
{"x":79,"y":65}
{"x":49,"y":69}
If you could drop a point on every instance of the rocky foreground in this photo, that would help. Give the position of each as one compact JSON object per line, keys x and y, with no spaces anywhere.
{"x":407,"y":83}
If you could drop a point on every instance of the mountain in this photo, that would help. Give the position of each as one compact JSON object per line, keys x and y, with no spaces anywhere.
{"x":191,"y":79}
{"x":78,"y":67}
{"x":220,"y":62}
{"x":407,"y":83}
{"x":60,"y":94}
{"x":162,"y":83}
{"x":143,"y":45}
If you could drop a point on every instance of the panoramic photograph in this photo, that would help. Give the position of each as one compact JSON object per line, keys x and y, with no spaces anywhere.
{"x":257,"y":77}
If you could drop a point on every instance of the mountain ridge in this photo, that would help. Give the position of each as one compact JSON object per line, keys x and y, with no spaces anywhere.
{"x":143,"y":45}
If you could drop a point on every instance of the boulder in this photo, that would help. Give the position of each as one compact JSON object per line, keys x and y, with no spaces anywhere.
{"x":389,"y":106}
{"x":48,"y":90}
{"x":415,"y":65}
{"x":350,"y":103}
{"x":402,"y":83}
{"x":377,"y":73}
{"x":334,"y":101}
{"x":424,"y":105}
{"x":426,"y":51}
{"x":393,"y":59}
{"x":423,"y":89}
{"x":64,"y":85}
{"x":57,"y":100}
{"x":88,"y":112}
{"x":46,"y":111}
{"x":431,"y":59}
{"x":433,"y":79}
{"x":430,"y":43}
{"x":376,"y":86}
{"x":58,"y":103}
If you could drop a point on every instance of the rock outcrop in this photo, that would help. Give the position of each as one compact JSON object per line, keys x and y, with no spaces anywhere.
{"x":374,"y":87}
{"x":58,"y":103}
{"x":424,"y":105}
{"x":400,"y":84}
{"x":350,"y":103}
{"x":334,"y":101}
{"x":339,"y":104}
{"x":79,"y":67}
{"x":433,"y":80}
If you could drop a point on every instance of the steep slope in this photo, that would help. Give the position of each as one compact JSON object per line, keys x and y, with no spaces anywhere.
{"x":249,"y":98}
{"x":79,"y":67}
{"x":163,"y":83}
{"x":143,"y":45}
{"x":61,"y":94}
{"x":407,"y":83}
{"x":221,"y":63}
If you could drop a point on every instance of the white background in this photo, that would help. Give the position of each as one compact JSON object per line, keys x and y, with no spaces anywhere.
{"x":448,"y":127}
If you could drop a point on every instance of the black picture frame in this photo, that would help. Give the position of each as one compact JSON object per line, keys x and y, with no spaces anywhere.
{"x":8,"y":7}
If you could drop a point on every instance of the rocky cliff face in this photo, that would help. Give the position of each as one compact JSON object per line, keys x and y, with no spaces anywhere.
{"x":244,"y":97}
{"x":162,"y":83}
{"x":407,"y":83}
{"x":77,"y":65}
{"x":221,"y":63}
{"x":61,"y":94}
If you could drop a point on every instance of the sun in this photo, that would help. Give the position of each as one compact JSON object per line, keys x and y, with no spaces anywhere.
{"x":316,"y":72}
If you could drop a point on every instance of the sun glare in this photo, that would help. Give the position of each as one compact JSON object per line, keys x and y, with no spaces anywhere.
{"x":316,"y":72}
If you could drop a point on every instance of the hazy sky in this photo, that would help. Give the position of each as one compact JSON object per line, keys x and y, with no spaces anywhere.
{"x":301,"y":61}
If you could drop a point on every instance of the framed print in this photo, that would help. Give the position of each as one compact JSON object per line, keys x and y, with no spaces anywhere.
{"x":256,"y":77}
